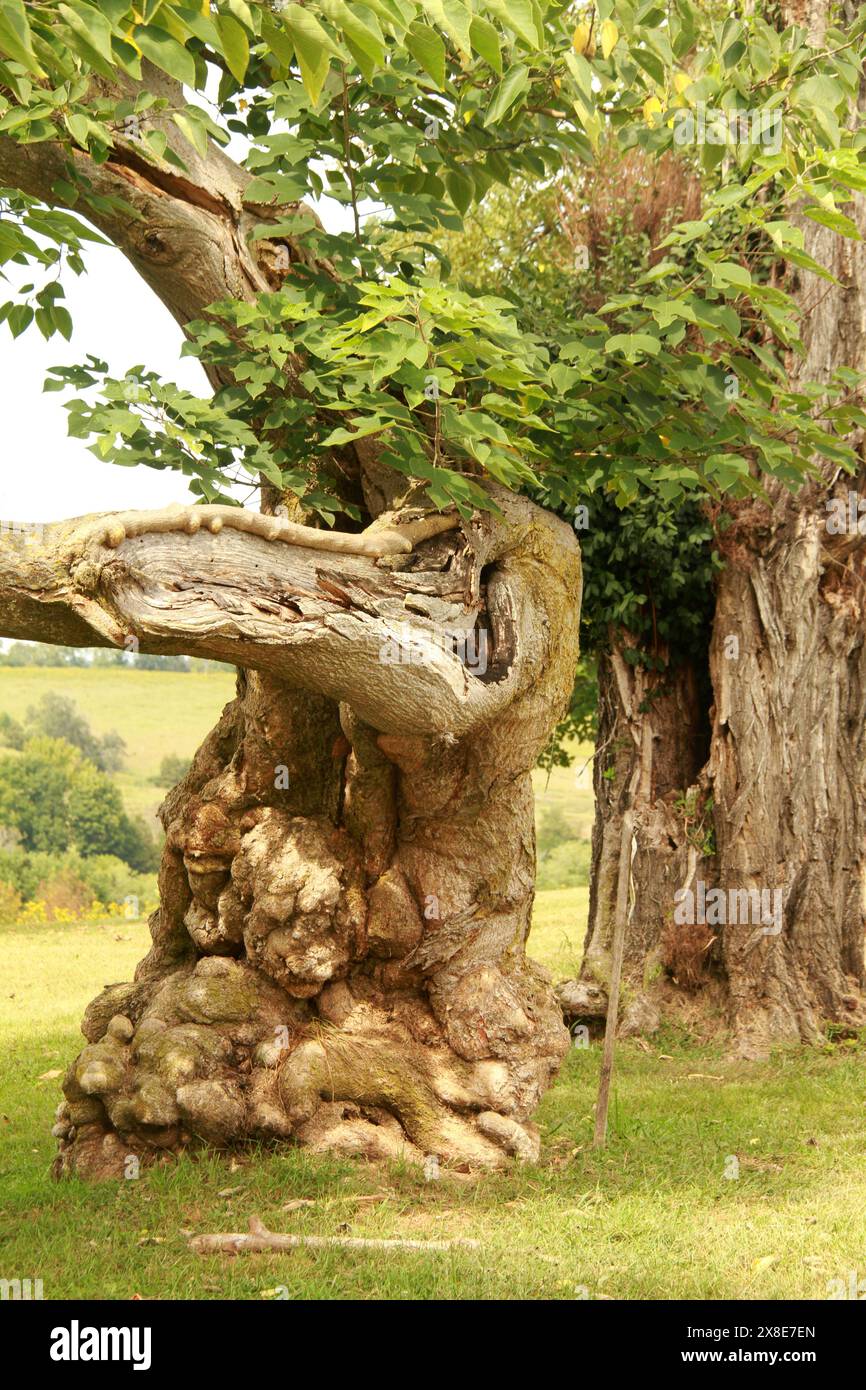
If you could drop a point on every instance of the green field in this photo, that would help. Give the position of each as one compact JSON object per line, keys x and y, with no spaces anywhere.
{"x":156,"y":712}
{"x":168,"y":712}
{"x":653,"y":1216}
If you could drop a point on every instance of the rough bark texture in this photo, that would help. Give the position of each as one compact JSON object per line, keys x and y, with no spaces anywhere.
{"x":651,"y":746}
{"x":339,"y":953}
{"x":345,"y":896}
{"x":789,"y":774}
{"x":787,"y":765}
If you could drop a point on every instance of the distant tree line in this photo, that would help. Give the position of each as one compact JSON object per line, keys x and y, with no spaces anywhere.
{"x":41,"y":654}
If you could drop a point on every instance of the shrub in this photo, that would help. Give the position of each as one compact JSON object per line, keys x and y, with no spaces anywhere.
{"x":57,"y":717}
{"x":58,"y":801}
{"x":66,"y":896}
{"x":33,"y":791}
{"x":553,"y":830}
{"x":172,"y":770}
{"x":567,"y":865}
{"x":11,"y":733}
{"x":10,"y":902}
{"x":107,"y":878}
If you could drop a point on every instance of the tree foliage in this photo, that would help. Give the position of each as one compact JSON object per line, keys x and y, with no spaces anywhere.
{"x":57,"y":801}
{"x":56,"y":716}
{"x":418,"y":108}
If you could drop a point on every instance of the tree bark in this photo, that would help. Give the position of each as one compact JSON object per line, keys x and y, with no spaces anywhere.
{"x":651,"y":746}
{"x":786,"y":772}
{"x":346,"y":890}
{"x":787,"y":764}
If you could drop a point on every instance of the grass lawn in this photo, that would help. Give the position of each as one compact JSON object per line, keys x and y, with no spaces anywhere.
{"x":653,"y":1216}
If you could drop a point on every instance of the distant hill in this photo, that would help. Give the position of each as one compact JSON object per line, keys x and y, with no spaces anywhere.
{"x":162,"y":713}
{"x":156,"y":712}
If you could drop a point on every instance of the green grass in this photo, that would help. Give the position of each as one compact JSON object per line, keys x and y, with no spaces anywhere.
{"x":652,"y":1216}
{"x":558,"y":928}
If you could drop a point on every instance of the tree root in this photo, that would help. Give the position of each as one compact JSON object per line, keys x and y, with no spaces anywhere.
{"x":386,"y":536}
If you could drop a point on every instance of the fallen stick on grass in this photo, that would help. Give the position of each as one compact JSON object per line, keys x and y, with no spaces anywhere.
{"x":260,"y":1239}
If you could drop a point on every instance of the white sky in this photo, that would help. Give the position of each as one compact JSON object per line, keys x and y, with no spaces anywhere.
{"x":45,"y":475}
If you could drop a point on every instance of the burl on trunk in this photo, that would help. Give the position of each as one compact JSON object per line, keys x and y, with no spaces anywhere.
{"x":338,"y":956}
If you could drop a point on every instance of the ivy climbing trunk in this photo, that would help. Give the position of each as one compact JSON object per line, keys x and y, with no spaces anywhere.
{"x":785,"y":776}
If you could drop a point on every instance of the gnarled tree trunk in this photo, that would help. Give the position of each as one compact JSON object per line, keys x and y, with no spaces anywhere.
{"x":339,"y":953}
{"x":345,"y":896}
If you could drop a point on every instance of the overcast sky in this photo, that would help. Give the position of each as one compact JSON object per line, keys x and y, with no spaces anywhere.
{"x":45,"y":475}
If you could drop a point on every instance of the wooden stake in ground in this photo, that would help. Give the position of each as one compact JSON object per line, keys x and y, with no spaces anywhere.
{"x":260,"y":1240}
{"x":619,"y":929}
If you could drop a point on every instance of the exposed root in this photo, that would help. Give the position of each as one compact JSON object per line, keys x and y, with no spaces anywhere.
{"x":386,"y":536}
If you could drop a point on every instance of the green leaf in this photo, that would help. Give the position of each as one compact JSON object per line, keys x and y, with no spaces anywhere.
{"x":632,"y":344}
{"x":513,"y":85}
{"x":277,"y":40}
{"x":729,"y":273}
{"x":461,"y":190}
{"x":428,"y":50}
{"x":485,"y":41}
{"x":63,"y":321}
{"x":234,"y":44}
{"x":366,"y":39}
{"x":15,"y":38}
{"x":518,"y":17}
{"x":193,"y":130}
{"x":363,"y":428}
{"x":241,"y":10}
{"x":166,"y":53}
{"x":819,"y":93}
{"x":19,"y":318}
{"x":313,"y":47}
{"x":78,"y":127}
{"x":91,"y":35}
{"x":836,"y":221}
{"x":454,"y":18}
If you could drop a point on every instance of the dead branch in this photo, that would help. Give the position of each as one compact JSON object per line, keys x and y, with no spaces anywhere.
{"x":260,"y":1241}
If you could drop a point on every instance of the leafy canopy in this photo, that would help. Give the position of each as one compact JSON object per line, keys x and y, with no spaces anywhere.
{"x":417,"y":108}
